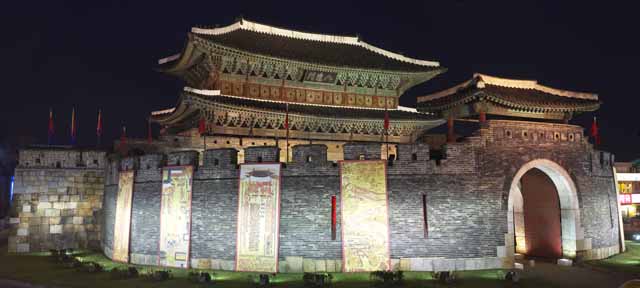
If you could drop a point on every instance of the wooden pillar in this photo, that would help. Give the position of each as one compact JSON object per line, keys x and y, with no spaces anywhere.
{"x":483,"y":117}
{"x":451,"y":138}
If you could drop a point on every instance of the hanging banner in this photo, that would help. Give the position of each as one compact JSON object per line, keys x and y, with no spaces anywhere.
{"x":175,"y":216}
{"x":122,"y":226}
{"x":258,"y":218}
{"x":365,"y":219}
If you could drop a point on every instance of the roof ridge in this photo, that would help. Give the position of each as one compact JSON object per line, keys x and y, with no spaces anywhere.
{"x":247,"y":25}
{"x":479,"y":80}
{"x":532,"y":84}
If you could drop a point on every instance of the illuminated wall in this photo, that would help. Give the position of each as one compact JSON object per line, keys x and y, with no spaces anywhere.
{"x":122,"y":226}
{"x":258,"y":218}
{"x":365,"y":219}
{"x":175,"y":216}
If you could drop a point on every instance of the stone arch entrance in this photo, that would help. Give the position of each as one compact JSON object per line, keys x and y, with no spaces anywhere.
{"x":570,"y":226}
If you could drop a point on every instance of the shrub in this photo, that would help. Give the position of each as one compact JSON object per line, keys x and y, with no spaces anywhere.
{"x":388,"y":277}
{"x":160,"y":275}
{"x":124,"y":273}
{"x":316,"y":279}
{"x":202,"y":277}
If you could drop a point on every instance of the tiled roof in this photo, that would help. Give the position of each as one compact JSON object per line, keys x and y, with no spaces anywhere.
{"x":514,"y":94}
{"x":343,"y":51}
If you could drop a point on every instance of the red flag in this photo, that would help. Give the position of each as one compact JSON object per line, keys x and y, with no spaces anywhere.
{"x":123,"y":139}
{"x":202,"y":128}
{"x":51,"y":127}
{"x":99,"y":125}
{"x":73,"y":126}
{"x":594,"y":131}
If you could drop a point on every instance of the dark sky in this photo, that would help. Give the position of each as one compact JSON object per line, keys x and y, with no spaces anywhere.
{"x":95,"y":54}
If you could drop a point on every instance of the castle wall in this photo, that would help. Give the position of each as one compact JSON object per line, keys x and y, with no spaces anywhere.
{"x":57,"y":200}
{"x":466,"y":194}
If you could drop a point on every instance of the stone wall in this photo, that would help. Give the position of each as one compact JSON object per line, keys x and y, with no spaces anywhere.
{"x":57,"y":200}
{"x":466,"y":194}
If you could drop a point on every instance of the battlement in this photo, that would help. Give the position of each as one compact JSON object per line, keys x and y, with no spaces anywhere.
{"x":501,"y":132}
{"x":362,"y":151}
{"x":310,"y":153}
{"x":61,"y":158}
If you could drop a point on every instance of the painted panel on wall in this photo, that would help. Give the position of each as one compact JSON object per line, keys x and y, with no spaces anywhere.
{"x":122,"y":227}
{"x":258,"y":218}
{"x":365,"y":219}
{"x":175,"y":216}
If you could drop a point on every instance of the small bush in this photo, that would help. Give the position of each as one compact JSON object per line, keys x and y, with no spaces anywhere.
{"x":316,"y":279}
{"x":74,"y":263}
{"x":124,"y":273}
{"x":91,"y":267}
{"x":202,"y":277}
{"x":160,"y":275}
{"x":388,"y":277}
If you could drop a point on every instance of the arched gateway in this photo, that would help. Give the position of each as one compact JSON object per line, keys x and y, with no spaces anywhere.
{"x":571,"y":228}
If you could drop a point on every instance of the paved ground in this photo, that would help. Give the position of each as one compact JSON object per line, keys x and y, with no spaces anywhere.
{"x":574,"y":276}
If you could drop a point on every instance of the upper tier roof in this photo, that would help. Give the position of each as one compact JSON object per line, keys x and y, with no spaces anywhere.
{"x":342,"y":51}
{"x":525,"y":95}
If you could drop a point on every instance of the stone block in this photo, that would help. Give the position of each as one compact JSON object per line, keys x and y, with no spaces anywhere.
{"x":294,"y":264}
{"x":55,"y":229}
{"x":64,"y":198}
{"x":339,"y":266}
{"x":77,"y":220}
{"x":14,"y":220}
{"x":321,"y":265}
{"x":54,"y":198}
{"x":309,"y":265}
{"x":22,"y":248}
{"x":405,"y":264}
{"x":565,"y":262}
{"x":26,"y":208}
{"x":23,"y":232}
{"x":227,"y":265}
{"x":282,"y":266}
{"x":58,"y":205}
{"x":331,"y":265}
{"x":44,"y":205}
{"x":518,"y":266}
{"x":52,"y":212}
{"x":54,"y":220}
{"x":215,"y":264}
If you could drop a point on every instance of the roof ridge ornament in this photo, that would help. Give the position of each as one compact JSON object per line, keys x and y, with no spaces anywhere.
{"x":272,"y":30}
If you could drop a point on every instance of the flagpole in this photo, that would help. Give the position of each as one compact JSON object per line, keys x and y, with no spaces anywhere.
{"x":99,"y":128}
{"x":50,"y":132}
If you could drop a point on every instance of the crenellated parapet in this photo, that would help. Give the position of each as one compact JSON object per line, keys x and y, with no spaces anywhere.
{"x":524,"y":133}
{"x":60,"y":158}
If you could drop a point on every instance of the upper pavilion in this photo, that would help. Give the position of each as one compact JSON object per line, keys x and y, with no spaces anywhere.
{"x":242,"y":78}
{"x":484,"y":95}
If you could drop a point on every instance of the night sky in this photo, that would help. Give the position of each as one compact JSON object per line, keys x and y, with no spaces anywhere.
{"x":92,"y":54}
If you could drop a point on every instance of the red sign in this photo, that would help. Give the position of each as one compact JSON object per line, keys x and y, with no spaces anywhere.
{"x":624,"y":199}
